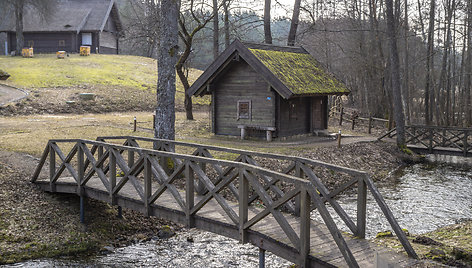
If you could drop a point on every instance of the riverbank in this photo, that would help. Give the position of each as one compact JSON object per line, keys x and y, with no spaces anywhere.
{"x":35,"y":224}
{"x":450,"y":245}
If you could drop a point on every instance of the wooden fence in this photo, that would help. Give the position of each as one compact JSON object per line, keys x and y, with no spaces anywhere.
{"x":244,"y":179}
{"x":355,"y":119}
{"x":436,"y":139}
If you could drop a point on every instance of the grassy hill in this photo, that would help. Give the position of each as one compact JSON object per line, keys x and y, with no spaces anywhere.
{"x":119,"y":82}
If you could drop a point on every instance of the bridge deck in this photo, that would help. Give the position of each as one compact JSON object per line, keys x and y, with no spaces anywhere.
{"x":266,"y":234}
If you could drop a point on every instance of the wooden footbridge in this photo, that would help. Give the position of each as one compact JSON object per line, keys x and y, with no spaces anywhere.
{"x":436,"y":140}
{"x":245,"y":199}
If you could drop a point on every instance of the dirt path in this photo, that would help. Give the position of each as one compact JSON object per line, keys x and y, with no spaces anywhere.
{"x":10,"y":94}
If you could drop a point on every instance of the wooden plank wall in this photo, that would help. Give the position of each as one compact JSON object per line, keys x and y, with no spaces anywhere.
{"x":298,"y":124}
{"x":241,"y":82}
{"x":46,"y":42}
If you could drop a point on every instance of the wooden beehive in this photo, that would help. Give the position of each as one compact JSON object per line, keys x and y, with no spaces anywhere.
{"x":84,"y":51}
{"x":27,"y":52}
{"x":61,"y":54}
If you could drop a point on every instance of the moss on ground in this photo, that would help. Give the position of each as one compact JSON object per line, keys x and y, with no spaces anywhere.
{"x":450,"y":245}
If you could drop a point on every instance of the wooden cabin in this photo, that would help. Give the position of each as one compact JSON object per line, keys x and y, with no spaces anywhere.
{"x":71,"y":24}
{"x":267,"y":91}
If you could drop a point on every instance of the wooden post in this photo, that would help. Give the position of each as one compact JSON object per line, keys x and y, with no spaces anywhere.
{"x":200,"y":187}
{"x":82,"y":209}
{"x":153,"y":121}
{"x":431,"y":135}
{"x":298,"y":173}
{"x":243,"y":205}
{"x":370,"y":124}
{"x":134,"y":127}
{"x":341,"y":116}
{"x":112,"y":172}
{"x":130,"y":155}
{"x":339,"y":139}
{"x":353,"y":122}
{"x":269,"y":135}
{"x":261,"y":258}
{"x":120,"y":212}
{"x":466,"y":144}
{"x":361,"y":207}
{"x":189,"y":194}
{"x":243,"y":133}
{"x":304,"y":226}
{"x":147,"y":185}
{"x":80,"y":168}
{"x":52,"y":168}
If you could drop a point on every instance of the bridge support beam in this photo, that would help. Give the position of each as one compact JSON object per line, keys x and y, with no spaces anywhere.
{"x":82,"y":209}
{"x":120,"y":212}
{"x":261,"y":258}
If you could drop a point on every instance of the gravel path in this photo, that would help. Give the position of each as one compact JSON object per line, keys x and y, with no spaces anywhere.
{"x":10,"y":94}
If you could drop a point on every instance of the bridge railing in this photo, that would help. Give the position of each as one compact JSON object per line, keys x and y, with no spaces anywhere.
{"x":141,"y":167}
{"x":436,"y":137}
{"x":304,"y":168}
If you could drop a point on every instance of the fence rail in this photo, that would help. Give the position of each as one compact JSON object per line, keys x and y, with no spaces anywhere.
{"x":155,"y":170}
{"x":435,"y":139}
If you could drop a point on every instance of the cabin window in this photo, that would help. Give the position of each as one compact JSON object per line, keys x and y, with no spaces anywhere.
{"x":244,"y":109}
{"x":62,"y":43}
{"x":292,"y":110}
{"x":30,"y":43}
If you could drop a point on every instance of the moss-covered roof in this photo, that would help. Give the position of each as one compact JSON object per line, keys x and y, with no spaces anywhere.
{"x":300,"y":72}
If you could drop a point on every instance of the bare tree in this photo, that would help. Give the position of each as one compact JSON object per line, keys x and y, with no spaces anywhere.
{"x":395,"y":75}
{"x":42,"y":8}
{"x":292,"y":34}
{"x":216,"y":32}
{"x":428,"y":91}
{"x":267,"y":31}
{"x":199,"y":21}
{"x":167,"y":59}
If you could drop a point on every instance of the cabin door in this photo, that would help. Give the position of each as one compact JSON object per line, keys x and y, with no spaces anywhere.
{"x":317,"y":113}
{"x":86,"y":39}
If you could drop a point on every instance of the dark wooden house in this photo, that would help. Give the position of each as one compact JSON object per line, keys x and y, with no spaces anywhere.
{"x":71,"y":24}
{"x":267,"y":90}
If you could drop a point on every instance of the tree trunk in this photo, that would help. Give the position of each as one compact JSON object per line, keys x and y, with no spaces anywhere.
{"x":19,"y":8}
{"x":395,"y":75}
{"x":292,"y":34}
{"x":468,"y":69}
{"x":406,"y":85}
{"x":216,"y":32}
{"x":226,"y":21}
{"x":267,"y":31}
{"x":168,"y":53}
{"x":428,"y":92}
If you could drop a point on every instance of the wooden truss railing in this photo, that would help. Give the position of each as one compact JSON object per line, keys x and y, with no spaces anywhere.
{"x":434,"y":137}
{"x":149,"y":173}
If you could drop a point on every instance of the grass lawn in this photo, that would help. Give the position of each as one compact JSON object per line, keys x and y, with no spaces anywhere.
{"x":120,"y":82}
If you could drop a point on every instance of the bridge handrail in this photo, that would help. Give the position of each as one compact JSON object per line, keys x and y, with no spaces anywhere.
{"x":149,"y":164}
{"x":360,"y":177}
{"x":432,"y":137}
{"x":239,"y":151}
{"x":307,"y":189}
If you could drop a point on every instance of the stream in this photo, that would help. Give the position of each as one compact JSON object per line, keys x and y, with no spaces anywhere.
{"x":422,"y":198}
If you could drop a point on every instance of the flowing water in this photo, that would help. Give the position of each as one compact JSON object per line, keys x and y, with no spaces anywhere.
{"x":422,"y":199}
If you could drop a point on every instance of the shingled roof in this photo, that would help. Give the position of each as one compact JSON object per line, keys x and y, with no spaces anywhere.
{"x":291,"y":71}
{"x":67,"y":16}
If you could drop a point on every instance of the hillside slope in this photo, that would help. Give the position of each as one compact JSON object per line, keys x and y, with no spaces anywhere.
{"x":119,"y":82}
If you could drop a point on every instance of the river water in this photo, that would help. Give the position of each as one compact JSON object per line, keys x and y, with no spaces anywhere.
{"x":422,"y":198}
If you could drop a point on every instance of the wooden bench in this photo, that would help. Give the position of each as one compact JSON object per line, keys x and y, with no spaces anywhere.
{"x":268,"y":131}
